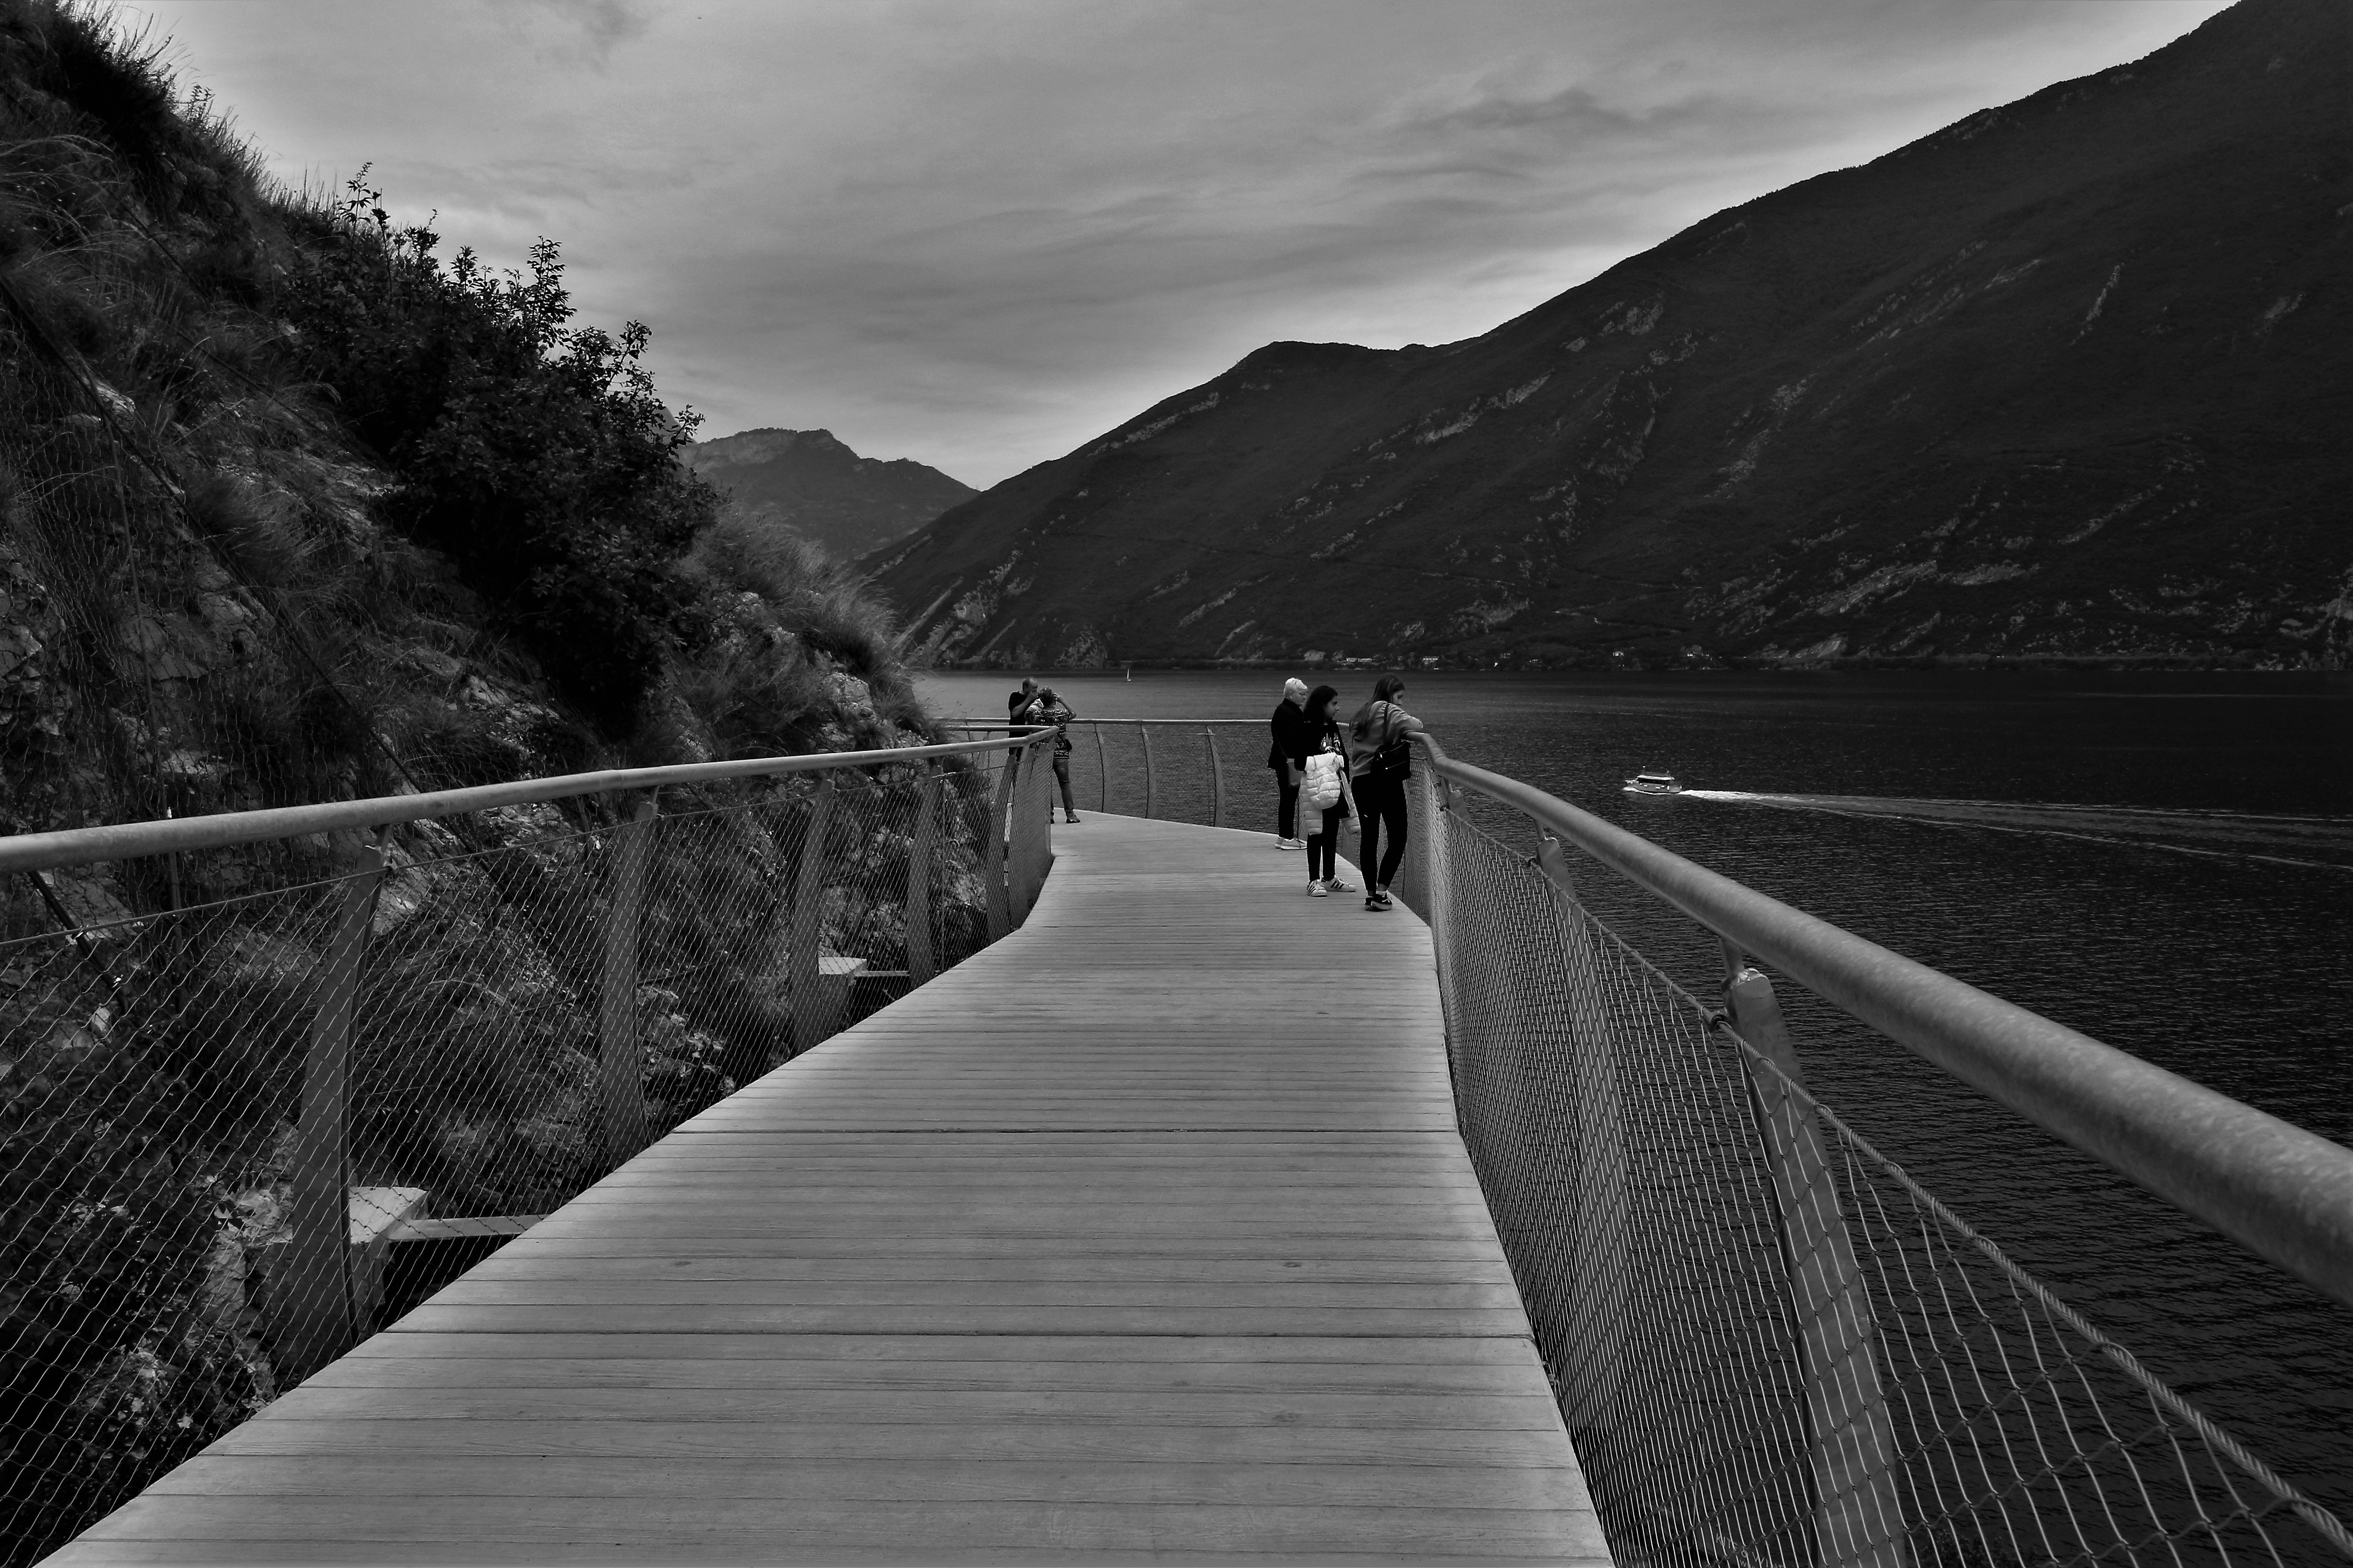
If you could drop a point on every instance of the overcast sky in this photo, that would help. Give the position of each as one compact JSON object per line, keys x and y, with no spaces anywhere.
{"x":977,"y":234}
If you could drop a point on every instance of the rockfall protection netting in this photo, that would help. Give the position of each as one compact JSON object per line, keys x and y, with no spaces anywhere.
{"x":212,"y":1144}
{"x":1771,"y":1346}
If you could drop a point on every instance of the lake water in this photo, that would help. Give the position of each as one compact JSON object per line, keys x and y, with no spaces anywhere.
{"x":2165,"y":863}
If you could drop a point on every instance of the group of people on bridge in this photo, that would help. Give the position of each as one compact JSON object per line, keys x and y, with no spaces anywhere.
{"x":1326,"y":774}
{"x":1331,"y":772}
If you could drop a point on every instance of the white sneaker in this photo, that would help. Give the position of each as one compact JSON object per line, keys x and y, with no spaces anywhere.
{"x":1333,"y":885}
{"x":1290,"y":843}
{"x":1317,"y":890}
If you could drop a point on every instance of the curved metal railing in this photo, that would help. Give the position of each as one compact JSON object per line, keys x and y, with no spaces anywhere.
{"x":2272,"y":1187}
{"x":1161,"y":791}
{"x":247,"y":1059}
{"x":1771,"y":1343}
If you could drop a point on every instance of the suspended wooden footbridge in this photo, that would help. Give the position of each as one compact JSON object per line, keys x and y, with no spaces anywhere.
{"x":1144,"y":1209}
{"x":1145,"y":1233}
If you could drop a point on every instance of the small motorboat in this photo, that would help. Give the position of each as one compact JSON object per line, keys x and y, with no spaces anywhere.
{"x":1653,"y":784}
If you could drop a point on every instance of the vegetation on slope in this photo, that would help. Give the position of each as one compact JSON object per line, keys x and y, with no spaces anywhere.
{"x":292,"y":509}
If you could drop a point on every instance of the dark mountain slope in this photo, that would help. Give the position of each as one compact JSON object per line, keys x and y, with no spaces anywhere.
{"x":2072,"y":377}
{"x":808,"y":484}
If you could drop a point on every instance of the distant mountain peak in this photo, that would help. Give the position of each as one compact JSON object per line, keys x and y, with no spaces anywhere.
{"x":2067,"y":379}
{"x":809,"y":483}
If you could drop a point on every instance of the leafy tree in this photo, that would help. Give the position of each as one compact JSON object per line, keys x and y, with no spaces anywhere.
{"x":533,"y":453}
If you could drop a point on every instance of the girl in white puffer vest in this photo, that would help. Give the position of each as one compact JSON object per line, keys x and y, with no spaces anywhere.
{"x":1324,"y":795}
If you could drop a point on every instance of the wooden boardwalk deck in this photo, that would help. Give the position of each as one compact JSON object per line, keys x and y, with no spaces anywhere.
{"x":1144,"y":1235}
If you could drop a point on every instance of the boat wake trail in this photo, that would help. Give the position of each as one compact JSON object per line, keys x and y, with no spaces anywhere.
{"x":2320,"y":843}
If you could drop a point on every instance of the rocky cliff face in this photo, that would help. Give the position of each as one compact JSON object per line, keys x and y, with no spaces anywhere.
{"x":807,"y":484}
{"x":2071,"y":378}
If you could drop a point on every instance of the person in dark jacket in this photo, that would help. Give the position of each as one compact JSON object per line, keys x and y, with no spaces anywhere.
{"x":1286,"y":754}
{"x":1380,"y":759}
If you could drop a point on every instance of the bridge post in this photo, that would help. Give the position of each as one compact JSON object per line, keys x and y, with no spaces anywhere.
{"x":1041,"y":824}
{"x":816,"y":1007}
{"x":1216,"y":778}
{"x":992,"y":873}
{"x":1146,"y":731}
{"x":1021,"y":827}
{"x":920,"y":963}
{"x":311,"y":1308}
{"x":1858,"y":1509}
{"x":620,"y":1050}
{"x":1102,"y":767}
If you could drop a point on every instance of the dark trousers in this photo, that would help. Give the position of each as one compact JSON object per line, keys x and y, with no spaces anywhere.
{"x":1063,"y":777}
{"x":1286,"y":814}
{"x":1326,"y":844}
{"x":1382,"y":802}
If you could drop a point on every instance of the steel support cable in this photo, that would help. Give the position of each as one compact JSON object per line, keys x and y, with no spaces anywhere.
{"x":2284,"y":1193}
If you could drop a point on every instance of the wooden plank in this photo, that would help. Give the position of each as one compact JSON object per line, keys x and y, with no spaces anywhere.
{"x":1179,"y":1256}
{"x":1524,"y":1412}
{"x":978,"y":1479}
{"x":491,"y":1521}
{"x":688,"y":1290}
{"x":563,"y":1555}
{"x":1128,"y":1350}
{"x":796,"y":1527}
{"x":773,"y":1374}
{"x":784,"y":1441}
{"x":672,"y":1241}
{"x":778,"y":1317}
{"x":1140,"y":1272}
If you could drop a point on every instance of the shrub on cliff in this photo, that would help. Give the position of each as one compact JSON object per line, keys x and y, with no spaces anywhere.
{"x":533,"y":453}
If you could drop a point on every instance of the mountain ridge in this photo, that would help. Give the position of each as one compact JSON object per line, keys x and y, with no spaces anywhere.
{"x":2067,"y":379}
{"x":810,"y":484}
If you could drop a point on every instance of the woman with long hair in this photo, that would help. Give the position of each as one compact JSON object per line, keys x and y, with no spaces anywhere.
{"x":1324,"y":793}
{"x":1380,"y":759}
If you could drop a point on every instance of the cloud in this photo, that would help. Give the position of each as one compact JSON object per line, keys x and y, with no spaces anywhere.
{"x":980,"y":235}
{"x":573,"y":32}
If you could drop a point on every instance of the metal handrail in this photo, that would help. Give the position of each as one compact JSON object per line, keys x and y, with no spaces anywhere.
{"x":1165,"y":723}
{"x":2284,"y":1193}
{"x":1207,"y":727}
{"x":124,"y":841}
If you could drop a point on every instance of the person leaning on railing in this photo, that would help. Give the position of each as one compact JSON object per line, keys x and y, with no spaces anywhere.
{"x":1286,"y":754}
{"x":1380,"y":759}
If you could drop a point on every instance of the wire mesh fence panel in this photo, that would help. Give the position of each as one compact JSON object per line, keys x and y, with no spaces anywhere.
{"x":219,"y":1117}
{"x":1770,"y":1345}
{"x":151,"y":1075}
